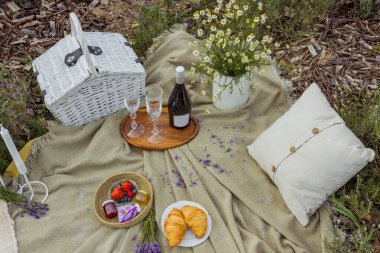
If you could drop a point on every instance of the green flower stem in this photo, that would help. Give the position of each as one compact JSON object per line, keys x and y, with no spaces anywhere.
{"x":148,"y":230}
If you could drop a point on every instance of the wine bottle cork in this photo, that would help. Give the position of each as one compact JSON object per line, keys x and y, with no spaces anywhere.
{"x":180,"y":75}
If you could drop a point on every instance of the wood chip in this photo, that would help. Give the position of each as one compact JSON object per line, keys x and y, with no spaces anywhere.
{"x":105,"y":2}
{"x":377,"y":58}
{"x":43,"y":14}
{"x":13,"y":6}
{"x":316,"y":44}
{"x":31,"y":24}
{"x":28,"y":5}
{"x":369,"y":47}
{"x":338,"y":22}
{"x":18,"y":42}
{"x":52,"y":28}
{"x":312,"y":50}
{"x":29,"y":32}
{"x":371,"y":38}
{"x":23,"y":19}
{"x":94,"y":3}
{"x":38,"y":41}
{"x":295,"y":59}
{"x":61,"y":6}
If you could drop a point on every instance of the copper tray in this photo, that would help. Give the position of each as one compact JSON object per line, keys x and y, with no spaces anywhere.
{"x":173,"y":137}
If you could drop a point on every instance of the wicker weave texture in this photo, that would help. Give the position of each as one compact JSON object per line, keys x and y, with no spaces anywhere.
{"x":102,"y":195}
{"x":94,"y":86}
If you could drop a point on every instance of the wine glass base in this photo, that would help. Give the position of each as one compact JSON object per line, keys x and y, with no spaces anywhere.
{"x":156,"y":139}
{"x":136,"y":133}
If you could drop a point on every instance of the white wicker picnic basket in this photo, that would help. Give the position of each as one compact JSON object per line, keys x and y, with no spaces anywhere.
{"x":84,"y":76}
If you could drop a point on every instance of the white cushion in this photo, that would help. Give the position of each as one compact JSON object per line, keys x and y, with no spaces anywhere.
{"x":309,"y":153}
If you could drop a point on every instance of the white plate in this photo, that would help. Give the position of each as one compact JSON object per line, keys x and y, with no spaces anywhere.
{"x":190,"y":240}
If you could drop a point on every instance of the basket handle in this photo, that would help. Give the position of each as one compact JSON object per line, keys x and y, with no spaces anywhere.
{"x":76,"y":31}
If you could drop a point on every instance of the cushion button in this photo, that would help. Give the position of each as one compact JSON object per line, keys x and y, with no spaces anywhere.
{"x":273,"y":168}
{"x":293,"y":149}
{"x":315,"y":130}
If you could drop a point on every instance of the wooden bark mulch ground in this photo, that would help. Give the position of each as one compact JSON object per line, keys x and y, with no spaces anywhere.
{"x":343,"y":52}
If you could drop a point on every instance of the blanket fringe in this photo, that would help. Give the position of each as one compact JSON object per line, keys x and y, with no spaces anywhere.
{"x":36,"y":145}
{"x":163,"y":36}
{"x":286,"y":84}
{"x":39,"y":143}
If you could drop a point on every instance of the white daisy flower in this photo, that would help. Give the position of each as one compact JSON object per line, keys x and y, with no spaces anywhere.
{"x":196,"y":52}
{"x":200,"y":32}
{"x":260,"y":6}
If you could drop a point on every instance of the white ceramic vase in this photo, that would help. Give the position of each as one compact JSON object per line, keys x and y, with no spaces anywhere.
{"x":232,"y":97}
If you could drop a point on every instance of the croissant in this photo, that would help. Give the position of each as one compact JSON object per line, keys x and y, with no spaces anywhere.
{"x":175,"y":227}
{"x":196,"y":219}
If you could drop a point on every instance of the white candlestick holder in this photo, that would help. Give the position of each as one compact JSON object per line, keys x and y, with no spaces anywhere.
{"x":21,"y":167}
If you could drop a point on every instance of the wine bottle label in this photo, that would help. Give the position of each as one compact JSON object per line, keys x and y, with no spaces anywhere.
{"x":181,"y":120}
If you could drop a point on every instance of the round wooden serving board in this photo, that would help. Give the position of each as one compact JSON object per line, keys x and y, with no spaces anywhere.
{"x":173,"y":137}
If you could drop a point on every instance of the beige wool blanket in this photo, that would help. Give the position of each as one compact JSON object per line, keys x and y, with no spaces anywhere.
{"x":215,"y":170}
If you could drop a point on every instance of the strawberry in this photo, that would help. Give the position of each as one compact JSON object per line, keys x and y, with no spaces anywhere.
{"x":127,"y":186}
{"x":117,"y":193}
{"x":130,"y":194}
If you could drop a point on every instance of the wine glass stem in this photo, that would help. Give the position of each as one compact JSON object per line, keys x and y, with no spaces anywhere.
{"x":133,"y":117}
{"x":155,"y":129}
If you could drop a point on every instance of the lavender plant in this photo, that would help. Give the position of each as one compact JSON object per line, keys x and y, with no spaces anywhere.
{"x":21,"y":111}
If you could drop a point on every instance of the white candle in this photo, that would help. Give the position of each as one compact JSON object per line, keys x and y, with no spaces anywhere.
{"x":13,"y":150}
{"x":2,"y":182}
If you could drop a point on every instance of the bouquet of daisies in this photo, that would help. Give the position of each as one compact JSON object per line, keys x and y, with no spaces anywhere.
{"x":234,"y":39}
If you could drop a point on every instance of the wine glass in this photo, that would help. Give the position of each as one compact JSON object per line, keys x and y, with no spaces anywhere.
{"x":153,"y":96}
{"x":132,"y":102}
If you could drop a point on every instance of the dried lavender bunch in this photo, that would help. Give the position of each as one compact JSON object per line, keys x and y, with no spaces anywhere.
{"x":148,"y":248}
{"x":148,"y":242}
{"x":32,"y":208}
